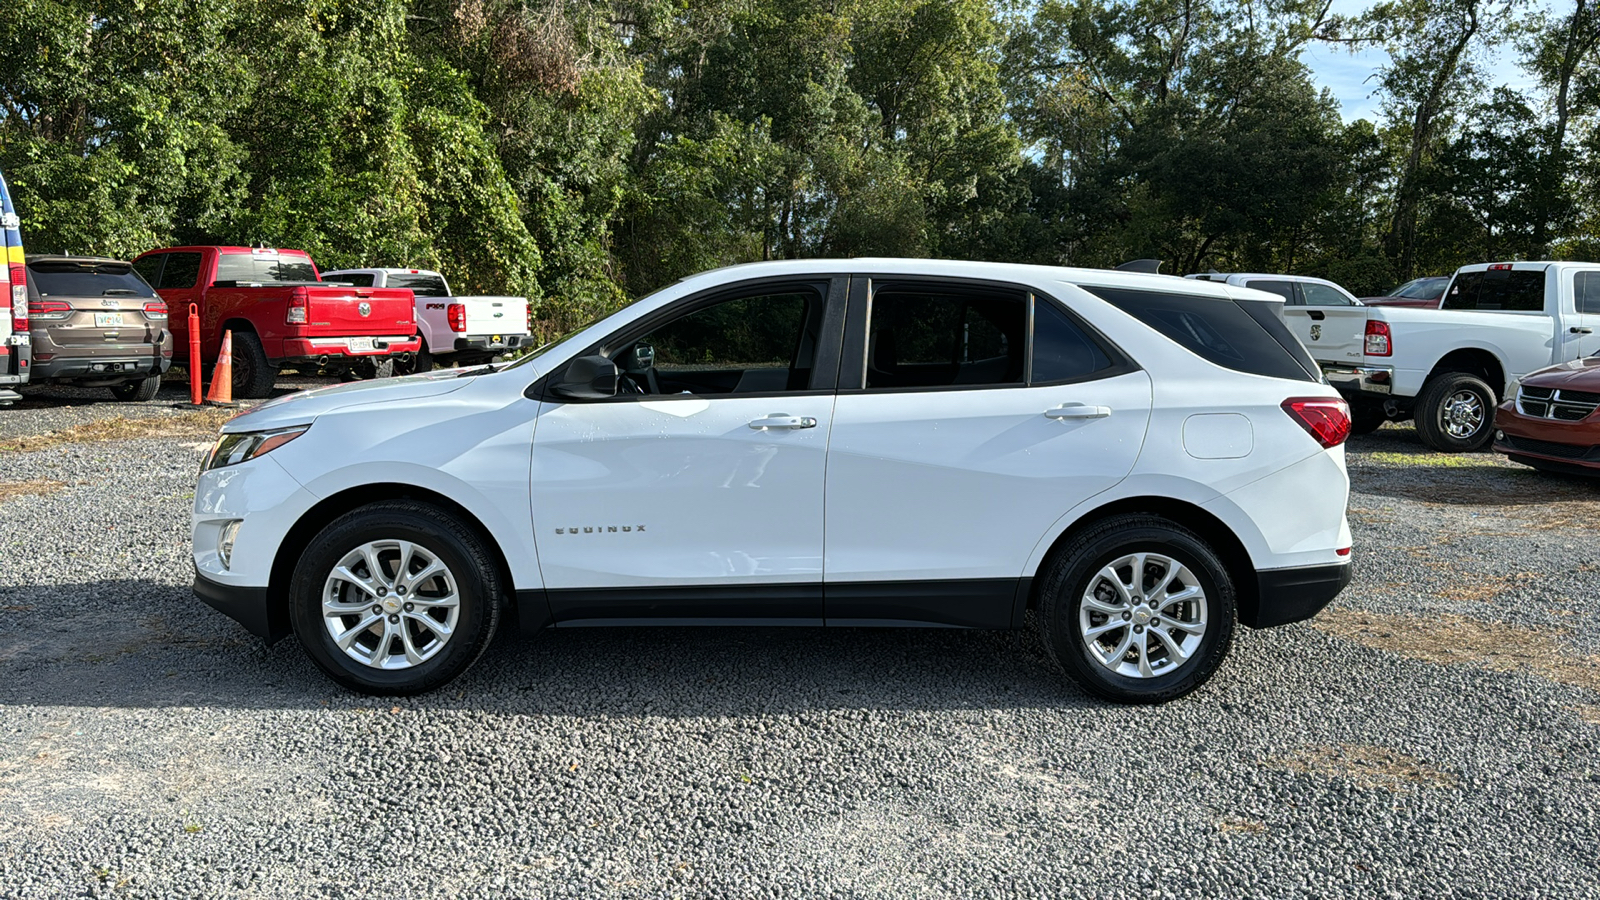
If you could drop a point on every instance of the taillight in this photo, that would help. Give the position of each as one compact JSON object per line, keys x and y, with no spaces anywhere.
{"x":298,"y":299}
{"x":1500,"y":267}
{"x":19,"y":298}
{"x":457,"y":314}
{"x":155,"y":309}
{"x":1378,"y":339}
{"x":1327,"y":419}
{"x":51,"y":310}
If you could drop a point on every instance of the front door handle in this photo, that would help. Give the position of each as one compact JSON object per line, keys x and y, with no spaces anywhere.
{"x":1078,"y":411}
{"x":783,"y":420}
{"x":1580,"y":330}
{"x":1317,"y":314}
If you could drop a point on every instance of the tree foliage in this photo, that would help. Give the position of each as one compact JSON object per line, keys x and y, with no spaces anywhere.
{"x":586,"y":152}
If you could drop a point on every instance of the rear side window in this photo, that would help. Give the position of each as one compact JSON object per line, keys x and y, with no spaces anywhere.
{"x":421,"y":285}
{"x":67,"y":279}
{"x":250,"y":268}
{"x":931,"y":338}
{"x":1218,"y":330}
{"x":182,"y":270}
{"x":1061,"y":350}
{"x":1284,"y":289}
{"x":1497,"y":289}
{"x":1586,"y":291}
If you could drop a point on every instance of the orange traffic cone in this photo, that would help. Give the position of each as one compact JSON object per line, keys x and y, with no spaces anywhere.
{"x":221,"y":393}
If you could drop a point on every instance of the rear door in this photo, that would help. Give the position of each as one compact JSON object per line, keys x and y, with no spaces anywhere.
{"x":971,"y":416}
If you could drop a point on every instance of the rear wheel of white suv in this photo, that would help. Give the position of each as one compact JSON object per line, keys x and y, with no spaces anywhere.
{"x":397,"y":597}
{"x":1137,"y":609}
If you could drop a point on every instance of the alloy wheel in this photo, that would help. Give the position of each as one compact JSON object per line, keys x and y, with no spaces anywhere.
{"x":390,"y":604}
{"x":1143,"y":615}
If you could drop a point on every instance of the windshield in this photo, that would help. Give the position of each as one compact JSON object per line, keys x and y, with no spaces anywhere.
{"x":262,"y":268}
{"x":1420,"y":289}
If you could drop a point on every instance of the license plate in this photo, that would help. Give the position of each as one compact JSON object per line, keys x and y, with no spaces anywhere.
{"x":359,"y":345}
{"x":107,"y":320}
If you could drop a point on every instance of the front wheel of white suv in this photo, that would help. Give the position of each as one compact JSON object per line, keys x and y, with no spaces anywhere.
{"x":1137,"y":609}
{"x":397,"y":598}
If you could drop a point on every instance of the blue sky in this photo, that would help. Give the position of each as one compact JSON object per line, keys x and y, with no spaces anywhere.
{"x":1353,"y":77}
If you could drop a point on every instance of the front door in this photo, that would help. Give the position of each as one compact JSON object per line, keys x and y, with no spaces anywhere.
{"x":976,"y":416}
{"x":696,"y":493}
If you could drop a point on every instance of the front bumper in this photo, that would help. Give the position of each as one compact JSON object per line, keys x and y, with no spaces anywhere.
{"x":303,"y":349}
{"x":1554,"y":443}
{"x":1293,"y":595}
{"x":1360,"y":379}
{"x":490,"y":342}
{"x":246,"y":605}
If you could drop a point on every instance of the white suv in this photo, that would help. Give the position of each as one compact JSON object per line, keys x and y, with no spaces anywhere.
{"x":1138,"y":459}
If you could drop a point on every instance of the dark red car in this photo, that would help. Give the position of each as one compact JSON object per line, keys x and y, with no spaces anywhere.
{"x":1550,"y":423}
{"x":1422,"y":293}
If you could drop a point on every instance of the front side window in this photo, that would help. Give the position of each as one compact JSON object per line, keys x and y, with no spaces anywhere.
{"x":752,"y":344}
{"x":931,"y":338}
{"x":1322,"y":295}
{"x":1586,"y":292}
{"x":182,"y":270}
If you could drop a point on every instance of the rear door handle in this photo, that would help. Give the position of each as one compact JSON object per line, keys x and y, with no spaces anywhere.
{"x":783,"y":420}
{"x":1317,"y":314}
{"x":1078,"y":411}
{"x":1578,"y":330}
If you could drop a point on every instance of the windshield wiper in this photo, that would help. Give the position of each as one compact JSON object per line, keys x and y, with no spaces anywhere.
{"x":478,"y":370}
{"x":109,"y":291}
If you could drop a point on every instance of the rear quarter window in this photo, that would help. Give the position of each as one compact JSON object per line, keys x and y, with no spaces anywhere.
{"x":1225,"y":332}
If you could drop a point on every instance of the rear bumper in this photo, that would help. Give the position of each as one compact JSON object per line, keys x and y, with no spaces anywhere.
{"x":1360,"y":379}
{"x":54,"y":361}
{"x":491,"y":342}
{"x":1294,"y":595}
{"x":300,"y":349}
{"x":246,"y":605}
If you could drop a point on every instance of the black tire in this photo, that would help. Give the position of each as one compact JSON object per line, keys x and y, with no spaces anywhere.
{"x":140,"y":391}
{"x":1365,"y":418}
{"x":1074,"y":570}
{"x":436,"y":532}
{"x":253,"y":376}
{"x":1438,"y":412}
{"x":421,"y":361}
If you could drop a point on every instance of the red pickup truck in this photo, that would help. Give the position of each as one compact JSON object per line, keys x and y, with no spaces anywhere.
{"x":280,"y":312}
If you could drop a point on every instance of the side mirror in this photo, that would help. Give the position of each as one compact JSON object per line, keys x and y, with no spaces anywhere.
{"x":587,"y":378}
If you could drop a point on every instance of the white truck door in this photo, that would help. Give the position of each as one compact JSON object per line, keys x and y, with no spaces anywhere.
{"x":1584,"y":332}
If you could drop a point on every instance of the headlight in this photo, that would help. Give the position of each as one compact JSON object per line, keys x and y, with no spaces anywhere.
{"x":232,"y":449}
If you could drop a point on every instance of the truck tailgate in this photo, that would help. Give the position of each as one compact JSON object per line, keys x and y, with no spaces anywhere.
{"x":495,"y":315}
{"x":359,"y":311}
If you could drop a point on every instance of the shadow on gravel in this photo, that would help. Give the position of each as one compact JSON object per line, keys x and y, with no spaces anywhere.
{"x":136,"y":644}
{"x":1393,"y":462}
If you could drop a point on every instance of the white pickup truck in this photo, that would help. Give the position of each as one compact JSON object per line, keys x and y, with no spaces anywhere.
{"x":1448,"y":368}
{"x":455,"y":330}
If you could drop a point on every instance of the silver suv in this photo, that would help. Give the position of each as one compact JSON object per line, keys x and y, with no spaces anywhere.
{"x":95,"y":323}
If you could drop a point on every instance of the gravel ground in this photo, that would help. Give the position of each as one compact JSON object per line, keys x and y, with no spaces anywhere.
{"x":1432,"y":734}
